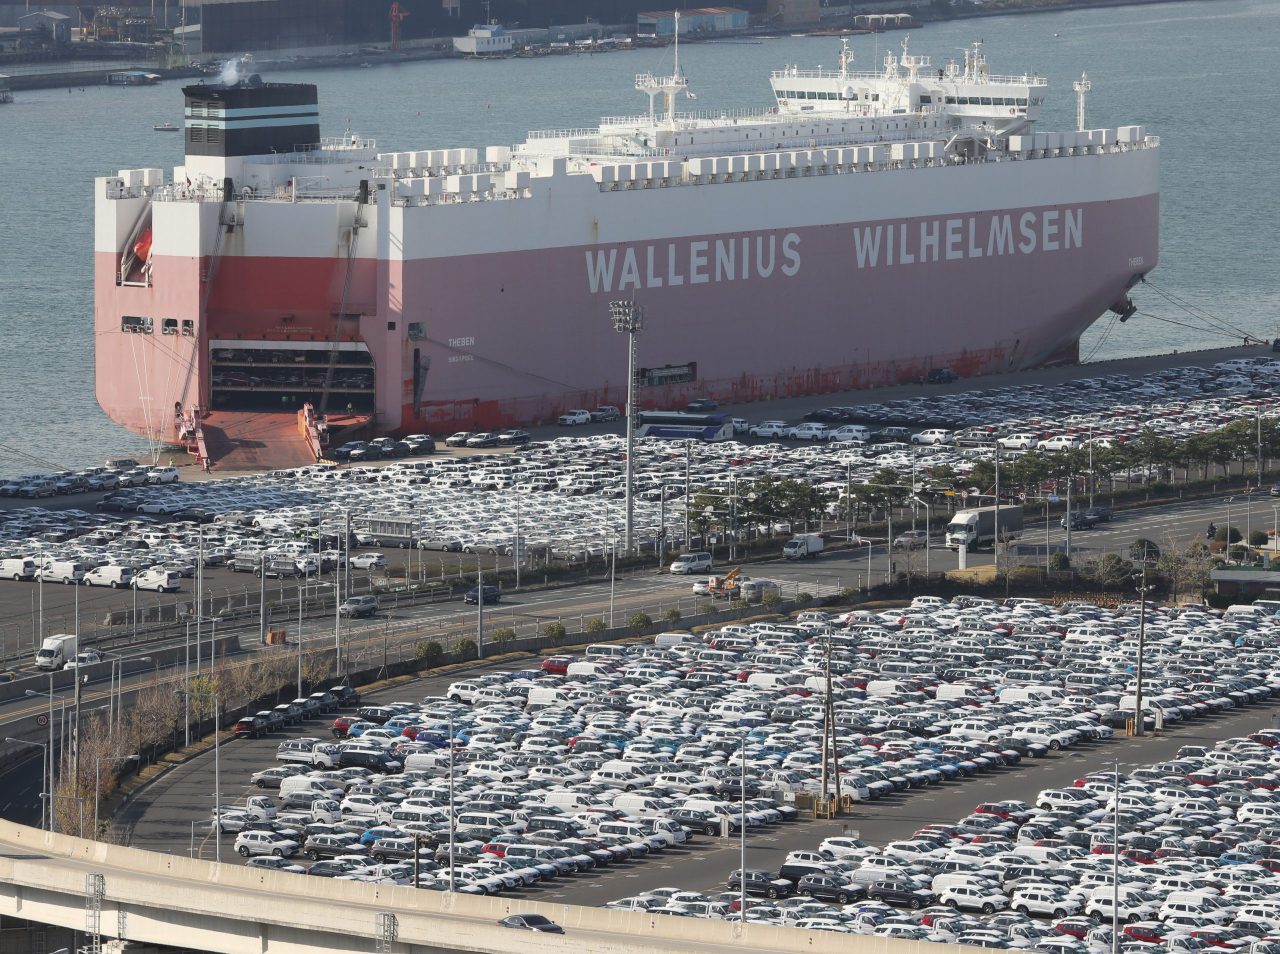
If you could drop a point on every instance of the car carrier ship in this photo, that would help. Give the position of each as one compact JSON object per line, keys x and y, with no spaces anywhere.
{"x":861,"y":230}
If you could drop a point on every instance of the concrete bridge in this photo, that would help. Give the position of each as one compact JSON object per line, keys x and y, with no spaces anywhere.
{"x":148,"y":899}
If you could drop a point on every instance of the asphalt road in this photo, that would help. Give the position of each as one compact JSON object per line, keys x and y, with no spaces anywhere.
{"x":168,"y":815}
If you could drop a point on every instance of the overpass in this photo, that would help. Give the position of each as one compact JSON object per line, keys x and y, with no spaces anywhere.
{"x":112,"y":892}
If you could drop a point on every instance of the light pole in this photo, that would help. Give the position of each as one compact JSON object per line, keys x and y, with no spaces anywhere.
{"x":742,"y":832}
{"x":115,"y":690}
{"x":628,"y":319}
{"x":49,"y":745}
{"x":217,"y":767}
{"x":1115,"y":864}
{"x":1229,"y":499}
{"x":452,"y":817}
{"x":46,"y":818}
{"x":1138,"y":721}
{"x":479,"y":608}
{"x":928,"y":519}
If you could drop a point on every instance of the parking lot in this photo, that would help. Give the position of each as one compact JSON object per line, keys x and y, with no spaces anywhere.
{"x":935,"y":706}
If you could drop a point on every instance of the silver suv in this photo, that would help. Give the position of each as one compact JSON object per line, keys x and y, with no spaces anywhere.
{"x":357,"y":606}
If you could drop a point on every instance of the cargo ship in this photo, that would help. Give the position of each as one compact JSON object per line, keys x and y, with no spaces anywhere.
{"x":861,"y":229}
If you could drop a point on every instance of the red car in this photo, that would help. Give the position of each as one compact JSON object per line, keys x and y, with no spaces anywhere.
{"x":1078,"y":926}
{"x":1153,"y":932}
{"x":556,"y":665}
{"x":341,"y":725}
{"x":495,"y":848}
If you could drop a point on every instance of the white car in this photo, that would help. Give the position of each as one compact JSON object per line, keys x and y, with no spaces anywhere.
{"x":368,"y":561}
{"x":83,"y":659}
{"x":933,"y":436}
{"x":1060,"y":442}
{"x":1018,"y":442}
{"x":769,"y":429}
{"x":576,"y":416}
{"x":809,"y":432}
{"x":264,"y":843}
{"x":1044,"y":899}
{"x":973,"y":898}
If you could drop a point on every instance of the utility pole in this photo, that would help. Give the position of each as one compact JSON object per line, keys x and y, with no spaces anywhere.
{"x":262,"y":608}
{"x":1138,"y":721}
{"x":628,"y":319}
{"x":479,"y":608}
{"x":688,"y":457}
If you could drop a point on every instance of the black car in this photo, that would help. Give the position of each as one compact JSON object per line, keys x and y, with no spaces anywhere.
{"x":1099,"y":514}
{"x":900,"y":892}
{"x":531,"y":922}
{"x":701,"y":405}
{"x":759,"y":882}
{"x":827,"y":888}
{"x":421,"y":445}
{"x":359,"y":758}
{"x":491,"y":594}
{"x":941,"y":376}
{"x":697,"y":819}
{"x":244,"y":564}
{"x":331,"y":869}
{"x":345,"y":695}
{"x":513,"y":438}
{"x":344,"y":452}
{"x":1079,"y":520}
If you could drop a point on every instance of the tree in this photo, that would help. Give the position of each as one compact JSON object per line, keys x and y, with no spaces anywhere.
{"x":1143,"y":550}
{"x":1112,"y":570}
{"x":1185,"y":567}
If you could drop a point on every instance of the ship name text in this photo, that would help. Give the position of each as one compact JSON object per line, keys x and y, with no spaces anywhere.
{"x":938,"y":240}
{"x":696,"y":262}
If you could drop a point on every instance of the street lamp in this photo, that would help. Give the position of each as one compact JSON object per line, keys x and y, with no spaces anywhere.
{"x":49,"y":748}
{"x":217,"y":767}
{"x":928,"y":520}
{"x":115,"y":689}
{"x":628,"y":319}
{"x":46,"y":815}
{"x":1138,"y":721}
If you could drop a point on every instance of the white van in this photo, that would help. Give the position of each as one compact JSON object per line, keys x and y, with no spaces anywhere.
{"x":162,"y":581}
{"x":608,"y":651}
{"x":955,"y":690}
{"x":109,"y":575}
{"x":305,"y":783}
{"x":885,"y":687}
{"x":669,"y":640}
{"x":63,"y":571}
{"x":585,"y":667}
{"x":568,"y":800}
{"x":1029,"y":694}
{"x":18,"y":568}
{"x":638,"y":804}
{"x":688,"y":563}
{"x":541,"y":696}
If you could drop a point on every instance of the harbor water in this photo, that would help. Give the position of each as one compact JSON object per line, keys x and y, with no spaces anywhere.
{"x":1195,"y":73}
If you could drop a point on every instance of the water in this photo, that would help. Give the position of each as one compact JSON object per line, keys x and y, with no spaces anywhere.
{"x":1196,"y":73}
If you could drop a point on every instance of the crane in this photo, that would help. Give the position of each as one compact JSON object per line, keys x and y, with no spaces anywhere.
{"x":397,"y":14}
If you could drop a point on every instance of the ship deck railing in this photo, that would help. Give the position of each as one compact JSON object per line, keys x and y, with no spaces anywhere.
{"x":867,"y":76}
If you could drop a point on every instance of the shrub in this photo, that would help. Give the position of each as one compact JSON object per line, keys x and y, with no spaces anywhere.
{"x":671,"y":616}
{"x":803,"y":600}
{"x":771,"y":600}
{"x":554,"y":632}
{"x":596,"y":625}
{"x":1237,"y":552}
{"x":848,"y":593}
{"x":429,"y":652}
{"x":738,"y":604}
{"x":1222,"y":535}
{"x":504,"y":635}
{"x":639,"y":621}
{"x":1258,"y":538}
{"x":1059,"y":561}
{"x":467,"y":649}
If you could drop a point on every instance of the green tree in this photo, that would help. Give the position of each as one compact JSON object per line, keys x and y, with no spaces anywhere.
{"x":1143,"y":550}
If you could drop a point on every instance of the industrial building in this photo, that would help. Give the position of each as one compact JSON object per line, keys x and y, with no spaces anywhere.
{"x":696,"y":21}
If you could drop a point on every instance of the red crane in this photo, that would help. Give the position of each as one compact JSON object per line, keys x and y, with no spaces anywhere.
{"x":398,"y":13}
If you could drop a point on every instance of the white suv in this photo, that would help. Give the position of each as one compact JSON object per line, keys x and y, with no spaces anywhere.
{"x":1044,"y":899}
{"x":769,"y":429}
{"x":935,"y":435}
{"x":973,"y":898}
{"x":576,"y":416}
{"x":264,"y":843}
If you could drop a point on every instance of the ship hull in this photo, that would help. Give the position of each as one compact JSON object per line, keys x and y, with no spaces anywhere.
{"x":490,"y":314}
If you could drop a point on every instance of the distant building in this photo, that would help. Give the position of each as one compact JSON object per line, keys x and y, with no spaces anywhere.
{"x":700,"y":20}
{"x":791,"y":13}
{"x":56,"y":25}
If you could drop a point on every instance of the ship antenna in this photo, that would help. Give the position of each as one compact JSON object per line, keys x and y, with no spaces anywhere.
{"x":1082,"y":87}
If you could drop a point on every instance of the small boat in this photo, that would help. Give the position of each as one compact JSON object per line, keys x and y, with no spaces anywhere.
{"x":165,"y":127}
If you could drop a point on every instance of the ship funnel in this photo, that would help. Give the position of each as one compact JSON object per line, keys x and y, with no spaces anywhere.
{"x":247,"y":119}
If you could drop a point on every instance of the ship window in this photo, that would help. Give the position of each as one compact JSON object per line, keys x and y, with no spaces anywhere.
{"x":391,"y":326}
{"x":926,"y":100}
{"x":875,"y":97}
{"x":1022,"y":102}
{"x":169,"y":326}
{"x":188,"y":328}
{"x":951,"y":100}
{"x":136,"y":325}
{"x":986,"y":101}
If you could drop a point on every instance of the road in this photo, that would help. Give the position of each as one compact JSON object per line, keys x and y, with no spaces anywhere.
{"x":166,"y":816}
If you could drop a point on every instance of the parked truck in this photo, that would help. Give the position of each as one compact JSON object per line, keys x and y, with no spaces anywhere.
{"x":975,"y":528}
{"x":56,"y":651}
{"x":803,"y":546}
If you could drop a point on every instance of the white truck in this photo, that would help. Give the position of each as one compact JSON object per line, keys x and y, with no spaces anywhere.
{"x":974,"y":528}
{"x":803,"y":546}
{"x":55,"y":652}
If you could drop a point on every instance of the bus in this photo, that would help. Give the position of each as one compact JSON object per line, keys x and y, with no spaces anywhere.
{"x":681,"y":425}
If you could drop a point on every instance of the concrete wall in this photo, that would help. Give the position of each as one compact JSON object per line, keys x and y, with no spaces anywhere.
{"x":204,"y":906}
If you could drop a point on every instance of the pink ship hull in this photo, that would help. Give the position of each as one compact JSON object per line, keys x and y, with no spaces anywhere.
{"x":518,"y":337}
